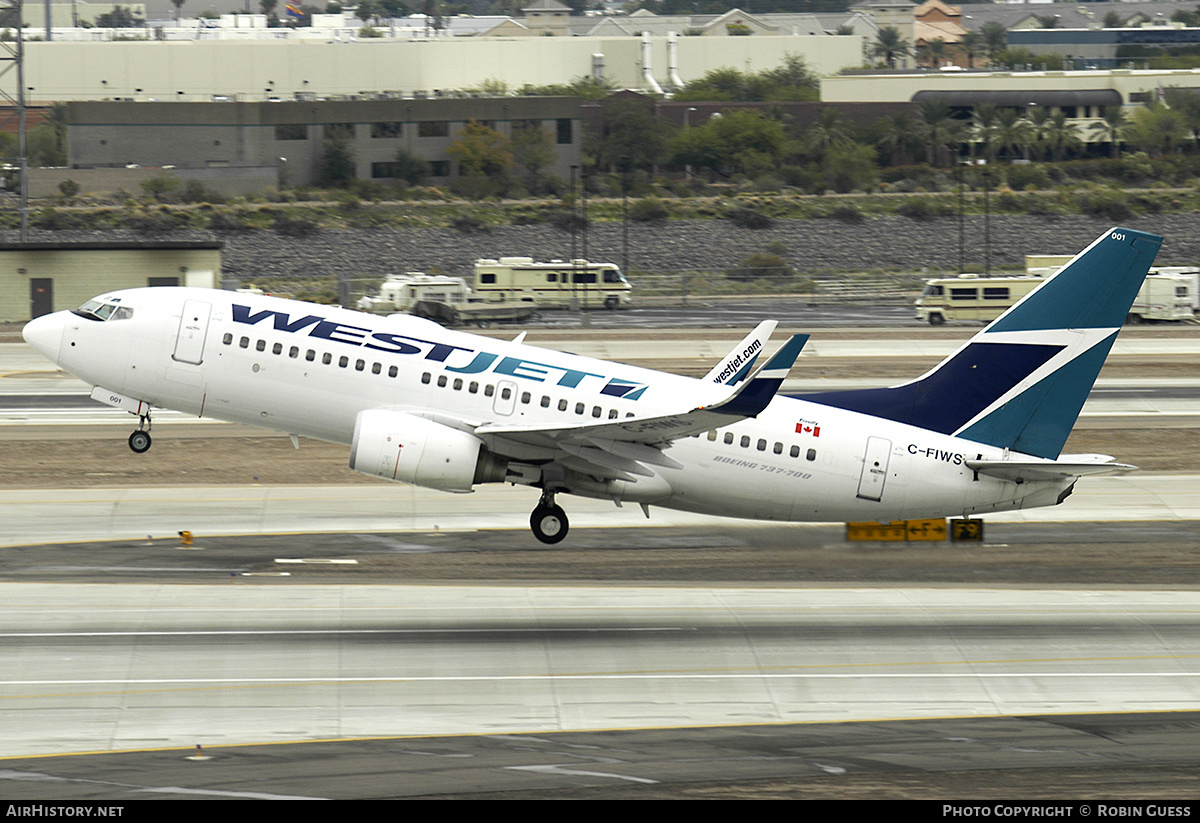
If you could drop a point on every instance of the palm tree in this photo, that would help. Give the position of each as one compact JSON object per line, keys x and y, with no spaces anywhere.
{"x":939,"y":130}
{"x":983,"y":129}
{"x":1012,"y":132}
{"x":972,"y":46}
{"x":890,"y":45}
{"x":898,"y":139}
{"x":1062,"y":135}
{"x":933,"y":52}
{"x":1039,"y":121}
{"x":829,"y":131}
{"x":1110,"y":127}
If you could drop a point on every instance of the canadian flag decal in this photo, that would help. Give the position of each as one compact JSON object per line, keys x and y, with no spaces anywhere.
{"x":808,"y":427}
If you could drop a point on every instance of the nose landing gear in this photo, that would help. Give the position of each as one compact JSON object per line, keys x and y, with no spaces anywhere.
{"x":139,"y":441}
{"x":548,"y":521}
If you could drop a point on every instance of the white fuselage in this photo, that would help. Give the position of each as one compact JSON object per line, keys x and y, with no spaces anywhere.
{"x":310,"y":370}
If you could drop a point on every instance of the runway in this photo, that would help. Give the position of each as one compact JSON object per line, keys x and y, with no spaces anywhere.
{"x":115,"y":667}
{"x":302,"y":629}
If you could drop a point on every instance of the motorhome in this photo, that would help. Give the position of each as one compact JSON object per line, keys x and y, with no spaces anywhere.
{"x":574,"y":284}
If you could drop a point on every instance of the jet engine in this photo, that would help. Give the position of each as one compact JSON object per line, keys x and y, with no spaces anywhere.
{"x":398,"y":446}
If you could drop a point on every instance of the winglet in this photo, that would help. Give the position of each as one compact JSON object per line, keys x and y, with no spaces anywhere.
{"x":737,"y":364}
{"x":756,"y":394}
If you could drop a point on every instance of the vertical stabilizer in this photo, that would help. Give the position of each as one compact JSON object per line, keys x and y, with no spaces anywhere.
{"x":1020,"y":383}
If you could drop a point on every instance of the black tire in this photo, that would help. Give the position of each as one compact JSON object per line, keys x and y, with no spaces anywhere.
{"x":1133,"y":319}
{"x":936,"y":320}
{"x":549,"y":524}
{"x":139,"y":441}
{"x":611,"y":303}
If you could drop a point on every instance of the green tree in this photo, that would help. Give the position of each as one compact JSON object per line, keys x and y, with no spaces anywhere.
{"x":1112,"y":20}
{"x":995,"y":38}
{"x":744,"y":142}
{"x":160,"y":186}
{"x":335,"y":167}
{"x":890,"y":45}
{"x":1156,"y":129}
{"x":410,"y":168}
{"x":121,"y":17}
{"x":587,"y":88}
{"x":1187,"y":103}
{"x":481,"y":151}
{"x":851,"y":167}
{"x":631,"y":137}
{"x":533,"y":150}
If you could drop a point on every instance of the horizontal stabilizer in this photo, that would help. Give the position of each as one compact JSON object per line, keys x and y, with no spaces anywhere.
{"x":1071,"y":465}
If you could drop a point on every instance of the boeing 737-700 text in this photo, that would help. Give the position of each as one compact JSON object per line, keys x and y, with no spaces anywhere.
{"x":981,"y":432}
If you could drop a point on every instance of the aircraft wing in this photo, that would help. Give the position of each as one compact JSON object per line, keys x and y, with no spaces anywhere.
{"x":618,"y":448}
{"x":1069,"y":465}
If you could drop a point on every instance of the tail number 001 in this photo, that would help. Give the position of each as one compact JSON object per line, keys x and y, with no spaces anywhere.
{"x":1117,"y":236}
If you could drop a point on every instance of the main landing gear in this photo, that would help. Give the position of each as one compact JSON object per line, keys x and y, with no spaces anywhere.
{"x":139,"y":441}
{"x":548,"y":521}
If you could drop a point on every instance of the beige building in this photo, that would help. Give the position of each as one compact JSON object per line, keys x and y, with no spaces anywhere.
{"x":38,"y":278}
{"x":291,"y":70}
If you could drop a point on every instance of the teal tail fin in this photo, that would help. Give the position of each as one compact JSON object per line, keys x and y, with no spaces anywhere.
{"x":1020,"y":383}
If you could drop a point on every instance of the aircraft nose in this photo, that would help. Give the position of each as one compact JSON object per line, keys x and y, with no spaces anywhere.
{"x":45,"y":334}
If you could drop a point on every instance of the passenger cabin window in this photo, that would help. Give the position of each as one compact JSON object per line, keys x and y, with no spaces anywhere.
{"x":964,"y":294}
{"x":995,"y":292}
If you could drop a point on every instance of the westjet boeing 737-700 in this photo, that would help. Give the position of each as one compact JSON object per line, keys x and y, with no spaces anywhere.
{"x":981,"y":432}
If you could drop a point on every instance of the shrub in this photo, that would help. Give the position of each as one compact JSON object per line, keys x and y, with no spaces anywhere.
{"x":847,"y":214}
{"x":1113,"y":205}
{"x":566,"y":220}
{"x":68,"y":188}
{"x":759,"y":266}
{"x":228,"y":223}
{"x":289,"y":226}
{"x":648,"y":210}
{"x":923,"y":208}
{"x":747,"y":217}
{"x":469,"y":224}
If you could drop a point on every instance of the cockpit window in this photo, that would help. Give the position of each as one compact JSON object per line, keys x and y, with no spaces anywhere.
{"x":103,"y":310}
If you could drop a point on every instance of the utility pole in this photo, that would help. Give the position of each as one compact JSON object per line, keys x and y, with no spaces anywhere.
{"x":12,"y":68}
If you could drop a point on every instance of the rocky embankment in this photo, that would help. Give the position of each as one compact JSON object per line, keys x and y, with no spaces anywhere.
{"x":894,"y":243}
{"x":698,"y":245}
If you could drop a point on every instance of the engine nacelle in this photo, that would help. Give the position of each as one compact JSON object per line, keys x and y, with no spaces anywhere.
{"x":398,"y":446}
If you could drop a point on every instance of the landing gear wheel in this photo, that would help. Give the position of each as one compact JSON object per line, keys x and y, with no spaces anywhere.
{"x":139,"y":441}
{"x":549,"y":523}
